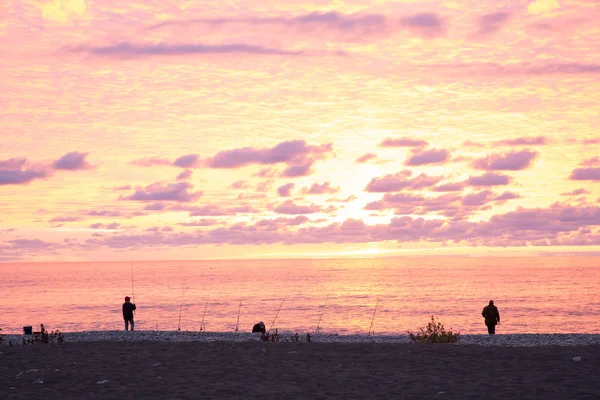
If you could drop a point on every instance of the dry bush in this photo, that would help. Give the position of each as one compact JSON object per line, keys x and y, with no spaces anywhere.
{"x":434,"y":332}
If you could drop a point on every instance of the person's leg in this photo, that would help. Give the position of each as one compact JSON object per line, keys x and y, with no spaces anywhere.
{"x":492,"y":329}
{"x":126,"y":325}
{"x":489,"y":329}
{"x":131,"y":323}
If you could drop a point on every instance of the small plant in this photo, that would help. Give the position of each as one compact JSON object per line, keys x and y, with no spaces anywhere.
{"x":434,"y":332}
{"x":43,"y":336}
{"x":270,"y":337}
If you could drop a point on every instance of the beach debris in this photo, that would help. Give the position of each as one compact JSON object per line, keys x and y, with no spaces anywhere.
{"x":576,"y":358}
{"x":156,"y":364}
{"x":264,"y":351}
{"x":19,"y":375}
{"x":32,"y":370}
{"x":292,"y":352}
{"x":57,"y":370}
{"x":13,"y":388}
{"x":438,"y":393}
{"x":38,"y":381}
{"x":101,"y":382}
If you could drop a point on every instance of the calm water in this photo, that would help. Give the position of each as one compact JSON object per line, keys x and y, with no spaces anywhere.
{"x":534,"y":295}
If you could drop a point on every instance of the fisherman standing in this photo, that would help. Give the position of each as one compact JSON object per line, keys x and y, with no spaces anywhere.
{"x":492,"y":317}
{"x":128,"y":308}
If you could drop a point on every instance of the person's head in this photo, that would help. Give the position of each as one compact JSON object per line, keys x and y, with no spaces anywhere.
{"x":491,"y":302}
{"x":262,"y":324}
{"x":127,"y":298}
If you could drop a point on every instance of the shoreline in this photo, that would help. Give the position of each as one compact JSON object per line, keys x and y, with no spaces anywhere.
{"x":502,"y":340}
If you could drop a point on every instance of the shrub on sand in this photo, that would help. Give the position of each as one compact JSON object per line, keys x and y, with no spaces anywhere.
{"x":43,"y":336}
{"x":434,"y":332}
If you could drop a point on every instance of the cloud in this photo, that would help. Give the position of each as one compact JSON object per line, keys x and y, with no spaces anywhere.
{"x":490,"y":23}
{"x":151,"y":161}
{"x":331,"y":25}
{"x":365,"y":157}
{"x":216,"y":210}
{"x":293,"y":152}
{"x":591,"y":162}
{"x":427,"y":25}
{"x":542,"y":6}
{"x":62,"y":10}
{"x":65,"y":219}
{"x":450,"y":187}
{"x":585,"y":174}
{"x":264,"y":186}
{"x":240,"y":185}
{"x":322,"y":188}
{"x":403,"y":142}
{"x":20,"y":177}
{"x":277,"y":223}
{"x":187,"y":174}
{"x":104,"y":213}
{"x":489,"y":179}
{"x":512,"y":161}
{"x":14,"y":163}
{"x":179,"y":192}
{"x":576,"y":192}
{"x":72,"y":161}
{"x":470,"y":143}
{"x":433,"y":156}
{"x":201,"y":222}
{"x":188,"y":161}
{"x":129,"y":50}
{"x":297,"y":170}
{"x":288,"y":207}
{"x":155,"y":207}
{"x":523,"y":141}
{"x":401,"y":180}
{"x":111,"y":226}
{"x":267,"y":173}
{"x":284,"y":190}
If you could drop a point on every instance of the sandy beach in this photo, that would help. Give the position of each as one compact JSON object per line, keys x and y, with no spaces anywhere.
{"x":321,"y":370}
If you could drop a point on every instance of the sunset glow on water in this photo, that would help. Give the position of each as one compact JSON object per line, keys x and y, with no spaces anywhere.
{"x":534,"y":295}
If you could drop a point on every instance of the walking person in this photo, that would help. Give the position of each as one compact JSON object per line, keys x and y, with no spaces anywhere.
{"x":492,"y":317}
{"x":128,"y":308}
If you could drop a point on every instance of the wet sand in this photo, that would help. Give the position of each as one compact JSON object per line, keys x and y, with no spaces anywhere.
{"x":243,"y":370}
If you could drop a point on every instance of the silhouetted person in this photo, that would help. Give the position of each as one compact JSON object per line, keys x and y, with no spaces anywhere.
{"x":492,"y":317}
{"x":259,"y":328}
{"x":128,"y":308}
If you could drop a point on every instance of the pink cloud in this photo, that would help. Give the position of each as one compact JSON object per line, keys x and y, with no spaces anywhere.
{"x":201,"y":222}
{"x":403,"y":142}
{"x":151,"y":161}
{"x":65,"y":219}
{"x":401,"y":180}
{"x":240,"y":185}
{"x":159,"y":191}
{"x":433,"y":156}
{"x":322,"y":188}
{"x":512,"y":161}
{"x":284,"y":190}
{"x":188,"y":161}
{"x":73,"y":161}
{"x":187,"y":174}
{"x":428,"y":25}
{"x":19,"y":177}
{"x":126,"y":50}
{"x":524,"y":141}
{"x":470,"y":143}
{"x":585,"y":174}
{"x":450,"y":187}
{"x":293,"y":152}
{"x":491,"y":23}
{"x":591,"y":162}
{"x":289,"y":207}
{"x":489,"y":179}
{"x":365,"y":157}
{"x":576,"y":192}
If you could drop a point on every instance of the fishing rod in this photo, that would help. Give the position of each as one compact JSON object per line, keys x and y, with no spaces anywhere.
{"x":181,"y":307}
{"x":322,"y":312}
{"x":373,"y":318}
{"x":277,"y":313}
{"x":202,"y":327}
{"x":132,"y":289}
{"x":237,"y":324}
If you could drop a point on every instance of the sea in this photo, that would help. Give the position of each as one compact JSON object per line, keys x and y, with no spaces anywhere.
{"x":378,"y":296}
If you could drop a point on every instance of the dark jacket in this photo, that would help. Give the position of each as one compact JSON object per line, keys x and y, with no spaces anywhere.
{"x":128,"y":310}
{"x":491,"y":315}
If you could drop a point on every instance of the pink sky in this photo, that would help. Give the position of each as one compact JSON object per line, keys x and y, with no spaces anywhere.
{"x":189,"y":130}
